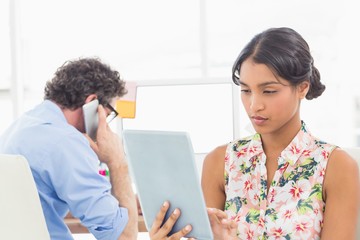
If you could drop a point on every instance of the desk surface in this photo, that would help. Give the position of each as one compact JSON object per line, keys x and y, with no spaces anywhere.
{"x":88,"y":236}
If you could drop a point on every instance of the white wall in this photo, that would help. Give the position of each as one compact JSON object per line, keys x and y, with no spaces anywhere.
{"x":163,"y":42}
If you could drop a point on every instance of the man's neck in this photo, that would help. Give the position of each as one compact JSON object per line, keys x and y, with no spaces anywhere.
{"x":74,"y":117}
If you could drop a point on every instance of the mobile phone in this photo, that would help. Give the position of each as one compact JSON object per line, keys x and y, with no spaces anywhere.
{"x":91,"y":118}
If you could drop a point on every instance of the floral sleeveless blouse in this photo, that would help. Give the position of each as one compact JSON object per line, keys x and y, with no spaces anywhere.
{"x":293,"y":208}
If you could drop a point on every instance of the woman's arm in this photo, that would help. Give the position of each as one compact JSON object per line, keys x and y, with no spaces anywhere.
{"x":342,"y":197}
{"x":212,"y":180}
{"x":213,"y":186}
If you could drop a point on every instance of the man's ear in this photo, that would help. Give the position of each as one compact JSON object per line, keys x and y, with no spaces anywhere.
{"x":90,"y":98}
{"x":303,"y":89}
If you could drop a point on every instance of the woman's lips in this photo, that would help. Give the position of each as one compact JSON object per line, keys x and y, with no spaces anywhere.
{"x":259,"y":120}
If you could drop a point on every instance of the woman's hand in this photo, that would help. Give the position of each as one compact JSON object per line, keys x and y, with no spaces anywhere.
{"x":222,"y":228}
{"x":158,"y":232}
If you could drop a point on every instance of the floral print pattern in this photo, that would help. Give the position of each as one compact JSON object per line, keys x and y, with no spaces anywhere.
{"x":293,"y":207}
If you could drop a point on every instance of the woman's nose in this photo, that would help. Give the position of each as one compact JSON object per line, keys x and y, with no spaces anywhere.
{"x":256,"y":103}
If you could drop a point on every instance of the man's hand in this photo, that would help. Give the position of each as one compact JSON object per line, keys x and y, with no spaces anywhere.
{"x":107,"y":144}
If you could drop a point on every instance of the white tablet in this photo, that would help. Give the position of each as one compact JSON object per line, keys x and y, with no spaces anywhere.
{"x":163,"y":168}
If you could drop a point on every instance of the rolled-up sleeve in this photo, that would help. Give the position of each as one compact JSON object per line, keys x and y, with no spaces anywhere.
{"x":113,"y":232}
{"x":87,"y":193}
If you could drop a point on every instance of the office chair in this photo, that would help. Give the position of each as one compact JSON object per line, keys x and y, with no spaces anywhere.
{"x":21,"y":215}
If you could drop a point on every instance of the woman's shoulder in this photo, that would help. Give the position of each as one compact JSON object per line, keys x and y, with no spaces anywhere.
{"x":342,"y":169}
{"x":341,"y":159}
{"x":217,"y":153}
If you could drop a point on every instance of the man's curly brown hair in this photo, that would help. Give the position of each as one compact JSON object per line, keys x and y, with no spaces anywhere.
{"x":75,"y":80}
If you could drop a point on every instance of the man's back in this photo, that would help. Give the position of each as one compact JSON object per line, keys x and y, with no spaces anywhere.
{"x":64,"y":168}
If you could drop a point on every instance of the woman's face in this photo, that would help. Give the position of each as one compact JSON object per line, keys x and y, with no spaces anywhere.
{"x":271,"y":103}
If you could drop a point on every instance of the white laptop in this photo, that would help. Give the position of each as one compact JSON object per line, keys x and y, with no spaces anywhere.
{"x":163,"y":168}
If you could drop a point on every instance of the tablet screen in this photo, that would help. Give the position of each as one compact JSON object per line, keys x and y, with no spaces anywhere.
{"x":162,"y":165}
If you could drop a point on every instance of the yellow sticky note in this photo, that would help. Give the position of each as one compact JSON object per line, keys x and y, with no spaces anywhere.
{"x":126,"y":109}
{"x":126,"y":105}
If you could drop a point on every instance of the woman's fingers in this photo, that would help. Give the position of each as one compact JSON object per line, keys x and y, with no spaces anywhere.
{"x":181,"y":233}
{"x":220,"y":214}
{"x":222,"y":228}
{"x":215,"y":222}
{"x":212,"y":217}
{"x":216,"y":215}
{"x":230,"y":225}
{"x":169,"y":223}
{"x":159,"y":218}
{"x":160,"y":231}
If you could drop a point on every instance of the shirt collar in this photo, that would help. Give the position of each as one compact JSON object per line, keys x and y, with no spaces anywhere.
{"x":297,"y":147}
{"x":56,"y":114}
{"x":255,"y":146}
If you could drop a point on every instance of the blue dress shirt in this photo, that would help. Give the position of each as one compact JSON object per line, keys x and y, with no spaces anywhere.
{"x":65,"y":169}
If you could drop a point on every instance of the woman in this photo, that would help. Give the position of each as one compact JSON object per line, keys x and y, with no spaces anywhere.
{"x":282,"y":182}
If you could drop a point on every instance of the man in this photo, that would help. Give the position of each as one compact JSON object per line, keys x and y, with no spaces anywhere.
{"x":64,"y":161}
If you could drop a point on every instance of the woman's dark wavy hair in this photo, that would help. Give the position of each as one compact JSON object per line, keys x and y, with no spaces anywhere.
{"x":75,"y":80}
{"x":285,"y":52}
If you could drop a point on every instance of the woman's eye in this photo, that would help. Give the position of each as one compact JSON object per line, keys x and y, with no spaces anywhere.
{"x":269,"y":91}
{"x":245,"y":90}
